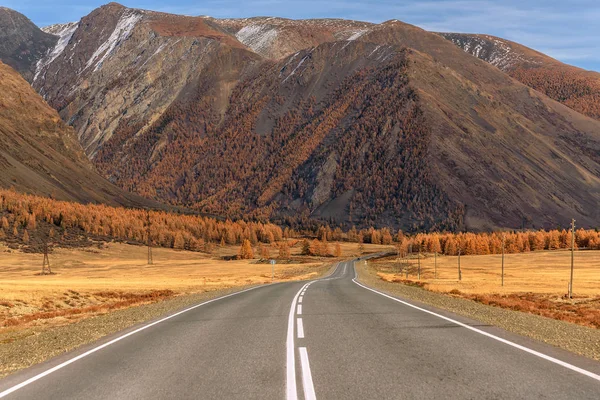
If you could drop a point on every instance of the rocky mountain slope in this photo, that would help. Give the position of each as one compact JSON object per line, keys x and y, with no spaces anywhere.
{"x":40,"y":154}
{"x":22,"y":43}
{"x":572,"y":86}
{"x":275,"y":38}
{"x":343,"y":121}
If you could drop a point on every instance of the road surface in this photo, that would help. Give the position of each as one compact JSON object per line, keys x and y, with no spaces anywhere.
{"x":326,"y":339}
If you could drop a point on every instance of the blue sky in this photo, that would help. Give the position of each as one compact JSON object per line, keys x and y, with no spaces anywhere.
{"x":568,"y":30}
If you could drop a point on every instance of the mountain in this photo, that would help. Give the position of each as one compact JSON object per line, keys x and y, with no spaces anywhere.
{"x":343,"y":121}
{"x":572,"y":86}
{"x":276,"y":38}
{"x":22,"y":43}
{"x":40,"y":154}
{"x":120,"y":62}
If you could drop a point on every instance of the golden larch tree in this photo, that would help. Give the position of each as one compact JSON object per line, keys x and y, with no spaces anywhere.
{"x":337,"y":252}
{"x":246,"y":252}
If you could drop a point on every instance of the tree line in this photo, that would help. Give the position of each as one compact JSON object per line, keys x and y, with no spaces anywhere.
{"x":24,"y":218}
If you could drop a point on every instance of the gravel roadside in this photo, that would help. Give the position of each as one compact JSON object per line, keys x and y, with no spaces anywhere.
{"x":36,"y":346}
{"x":577,"y":339}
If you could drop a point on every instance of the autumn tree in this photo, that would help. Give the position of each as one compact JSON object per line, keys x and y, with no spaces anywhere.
{"x":315,"y":248}
{"x":263,"y":251}
{"x":337,"y":252}
{"x":178,"y":241}
{"x":305,"y":247}
{"x":325,"y":251}
{"x":245,"y":252}
{"x":386,"y":237}
{"x":553,"y":240}
{"x":284,"y":251}
{"x":436,"y":247}
{"x":25,"y":236}
{"x":31,"y":222}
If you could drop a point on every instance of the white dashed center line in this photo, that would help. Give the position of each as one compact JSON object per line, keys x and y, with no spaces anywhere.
{"x":300,"y":328}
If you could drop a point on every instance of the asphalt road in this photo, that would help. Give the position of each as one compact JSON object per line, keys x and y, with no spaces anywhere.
{"x":326,"y":339}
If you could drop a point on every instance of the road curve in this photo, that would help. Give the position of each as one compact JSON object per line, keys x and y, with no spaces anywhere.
{"x":328,"y":339}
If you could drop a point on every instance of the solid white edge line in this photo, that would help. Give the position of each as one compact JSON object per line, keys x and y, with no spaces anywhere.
{"x":95,"y":349}
{"x":307,"y":382}
{"x":290,"y":370}
{"x":484,"y":333}
{"x":299,"y":309}
{"x":300,"y":328}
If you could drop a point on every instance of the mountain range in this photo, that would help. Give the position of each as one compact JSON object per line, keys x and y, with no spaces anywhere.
{"x":347,"y":122}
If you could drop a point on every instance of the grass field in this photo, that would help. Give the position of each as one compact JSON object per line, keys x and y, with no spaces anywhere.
{"x":536,"y":272}
{"x":535,"y":282}
{"x":97,"y":280}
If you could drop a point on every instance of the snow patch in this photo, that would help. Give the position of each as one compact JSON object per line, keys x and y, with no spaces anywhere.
{"x":64,"y":33}
{"x":258,"y":37}
{"x":495,"y":51}
{"x":297,"y":66}
{"x":357,"y":34}
{"x":373,"y":52}
{"x":121,"y":33}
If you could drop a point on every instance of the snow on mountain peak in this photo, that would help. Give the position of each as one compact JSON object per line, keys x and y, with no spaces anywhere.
{"x":257,"y":36}
{"x":64,"y":33}
{"x":122,"y":31}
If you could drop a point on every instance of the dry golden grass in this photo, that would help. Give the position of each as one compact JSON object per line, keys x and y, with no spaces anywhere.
{"x":97,"y":280}
{"x":537,"y":272}
{"x":534,"y":282}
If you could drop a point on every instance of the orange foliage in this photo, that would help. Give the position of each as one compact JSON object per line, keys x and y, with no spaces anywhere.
{"x":566,"y":85}
{"x":99,"y":221}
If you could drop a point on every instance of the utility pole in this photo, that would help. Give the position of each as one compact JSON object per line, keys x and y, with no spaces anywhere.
{"x":46,"y":263}
{"x":435,"y":265}
{"x":503,"y":241}
{"x":150,"y":261}
{"x":410,"y":252}
{"x":419,"y":267}
{"x":459,"y":271}
{"x":405,"y":257}
{"x":398,"y":258}
{"x":572,"y":257}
